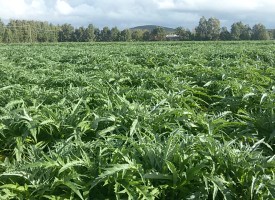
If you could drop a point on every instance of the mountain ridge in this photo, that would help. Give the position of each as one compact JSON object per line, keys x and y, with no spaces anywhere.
{"x":151,"y":27}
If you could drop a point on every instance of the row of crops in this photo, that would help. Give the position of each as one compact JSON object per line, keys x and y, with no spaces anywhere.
{"x":137,"y":121}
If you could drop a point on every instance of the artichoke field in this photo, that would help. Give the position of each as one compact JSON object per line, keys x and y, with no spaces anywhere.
{"x":170,"y":120}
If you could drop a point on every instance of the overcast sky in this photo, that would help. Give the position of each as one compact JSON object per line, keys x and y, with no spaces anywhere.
{"x":129,"y":13}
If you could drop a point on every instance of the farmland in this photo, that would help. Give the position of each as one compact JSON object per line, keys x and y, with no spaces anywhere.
{"x":191,"y":120}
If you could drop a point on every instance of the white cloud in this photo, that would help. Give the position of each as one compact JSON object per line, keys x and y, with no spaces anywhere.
{"x":127,"y":13}
{"x":37,"y":7}
{"x":166,"y":4}
{"x":12,"y":8}
{"x":63,"y":7}
{"x":207,"y":5}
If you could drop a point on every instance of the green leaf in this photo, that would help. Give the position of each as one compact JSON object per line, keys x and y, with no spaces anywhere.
{"x":156,"y":175}
{"x":173,"y":170}
{"x":133,"y":127}
{"x":264,"y":96}
{"x":252,"y":187}
{"x":111,"y":171}
{"x":73,"y":187}
{"x":70,"y":165}
{"x":248,"y":95}
{"x":107,"y":130}
{"x":14,"y":187}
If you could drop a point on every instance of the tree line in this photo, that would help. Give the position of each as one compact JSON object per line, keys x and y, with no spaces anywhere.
{"x":20,"y":31}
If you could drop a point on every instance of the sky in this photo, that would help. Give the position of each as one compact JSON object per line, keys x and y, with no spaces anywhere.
{"x":131,"y":13}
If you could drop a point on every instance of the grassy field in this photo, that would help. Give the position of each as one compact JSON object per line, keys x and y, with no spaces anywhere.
{"x":192,"y":120}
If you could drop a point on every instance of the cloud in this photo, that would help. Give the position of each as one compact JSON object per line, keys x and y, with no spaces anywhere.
{"x":127,"y":13}
{"x":207,"y":5}
{"x":63,"y":8}
{"x":11,"y":8}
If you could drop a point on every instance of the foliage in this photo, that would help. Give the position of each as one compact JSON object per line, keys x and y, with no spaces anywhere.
{"x":259,"y":32}
{"x":208,"y":29}
{"x":240,"y":31}
{"x":137,"y":121}
{"x":184,"y":34}
{"x":29,"y":31}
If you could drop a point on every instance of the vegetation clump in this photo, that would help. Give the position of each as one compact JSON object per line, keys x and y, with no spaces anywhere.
{"x":137,"y":121}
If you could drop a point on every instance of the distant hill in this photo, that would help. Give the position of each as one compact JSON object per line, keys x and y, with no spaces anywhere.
{"x":151,"y":27}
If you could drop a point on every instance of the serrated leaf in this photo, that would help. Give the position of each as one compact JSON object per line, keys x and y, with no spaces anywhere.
{"x":72,"y":186}
{"x":107,"y":130}
{"x":14,"y":187}
{"x":71,"y":164}
{"x":173,"y":170}
{"x":133,"y":127}
{"x":111,"y":171}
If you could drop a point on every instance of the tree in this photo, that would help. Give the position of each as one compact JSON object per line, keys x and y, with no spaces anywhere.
{"x":97,"y":33}
{"x":225,"y":34}
{"x":14,"y":30}
{"x":201,"y":29}
{"x":125,"y":35}
{"x":53,"y":33}
{"x":90,"y":33}
{"x":239,"y":31}
{"x":271,"y":33}
{"x":43,"y":32}
{"x":2,"y":30}
{"x":246,"y":32}
{"x":137,"y":35}
{"x":66,"y":33}
{"x":184,"y":34}
{"x":208,"y":29}
{"x":158,"y":34}
{"x":259,"y":32}
{"x":146,"y":36}
{"x":236,"y":30}
{"x":106,"y":34}
{"x":213,"y":29}
{"x":7,"y":38}
{"x":79,"y":35}
{"x":115,"y":34}
{"x":26,"y":33}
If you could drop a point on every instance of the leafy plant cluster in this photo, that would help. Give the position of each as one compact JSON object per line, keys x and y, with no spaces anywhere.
{"x":137,"y":121}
